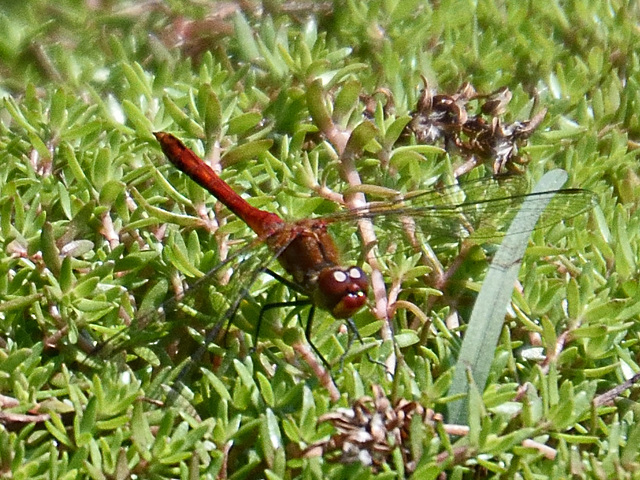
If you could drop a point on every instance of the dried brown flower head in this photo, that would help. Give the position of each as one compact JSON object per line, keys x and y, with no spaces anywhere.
{"x":370,"y":430}
{"x":480,"y":137}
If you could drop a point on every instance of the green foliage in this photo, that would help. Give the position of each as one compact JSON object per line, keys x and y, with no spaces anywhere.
{"x":96,"y":229}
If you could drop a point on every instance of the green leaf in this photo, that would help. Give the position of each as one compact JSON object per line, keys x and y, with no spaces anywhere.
{"x":217,"y":384}
{"x":406,"y":339}
{"x":270,"y":436}
{"x":182,"y":119}
{"x":19,"y":303}
{"x":244,"y":374}
{"x":138,"y":80}
{"x":244,"y":34}
{"x":394,"y":131}
{"x":360,"y":137}
{"x":179,"y":258}
{"x":58,"y":430}
{"x":141,"y":124}
{"x":317,"y":108}
{"x":66,"y":275}
{"x":487,"y":318}
{"x":210,"y":111}
{"x":265,"y":389}
{"x":154,"y":297}
{"x":50,"y":252}
{"x":245,"y":152}
{"x":163,"y":215}
{"x":140,"y":432}
{"x":69,"y":154}
{"x":346,"y":101}
{"x":240,"y":124}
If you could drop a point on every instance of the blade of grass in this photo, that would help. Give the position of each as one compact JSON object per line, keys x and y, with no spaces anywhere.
{"x":487,"y":318}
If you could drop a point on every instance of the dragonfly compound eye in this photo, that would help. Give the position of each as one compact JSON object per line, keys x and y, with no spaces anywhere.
{"x":342,"y":291}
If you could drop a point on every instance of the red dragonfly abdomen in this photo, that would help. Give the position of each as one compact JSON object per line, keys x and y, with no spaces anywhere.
{"x":261,"y":222}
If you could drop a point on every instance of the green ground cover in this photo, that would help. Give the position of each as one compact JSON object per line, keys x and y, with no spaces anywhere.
{"x":291,"y":99}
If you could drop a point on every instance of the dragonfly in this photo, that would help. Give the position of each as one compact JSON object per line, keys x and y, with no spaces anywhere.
{"x":308,"y":254}
{"x":304,"y":249}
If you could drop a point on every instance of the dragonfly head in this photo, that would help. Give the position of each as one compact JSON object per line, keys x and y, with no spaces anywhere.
{"x":342,"y":291}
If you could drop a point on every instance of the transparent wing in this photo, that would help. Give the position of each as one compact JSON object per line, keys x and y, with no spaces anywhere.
{"x":180,"y":331}
{"x":481,"y":210}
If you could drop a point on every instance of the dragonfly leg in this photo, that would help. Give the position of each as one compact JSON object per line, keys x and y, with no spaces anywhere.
{"x":352,"y":329}
{"x":271,"y":306}
{"x":356,"y":334}
{"x":286,"y":282}
{"x":296,"y":303}
{"x":307,"y":331}
{"x":307,"y":334}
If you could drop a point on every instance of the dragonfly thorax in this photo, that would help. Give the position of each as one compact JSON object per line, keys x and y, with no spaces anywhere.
{"x":341,"y":291}
{"x":307,"y":252}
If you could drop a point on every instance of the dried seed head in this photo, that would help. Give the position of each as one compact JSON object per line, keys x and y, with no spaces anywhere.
{"x":482,"y":136}
{"x":371,"y":430}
